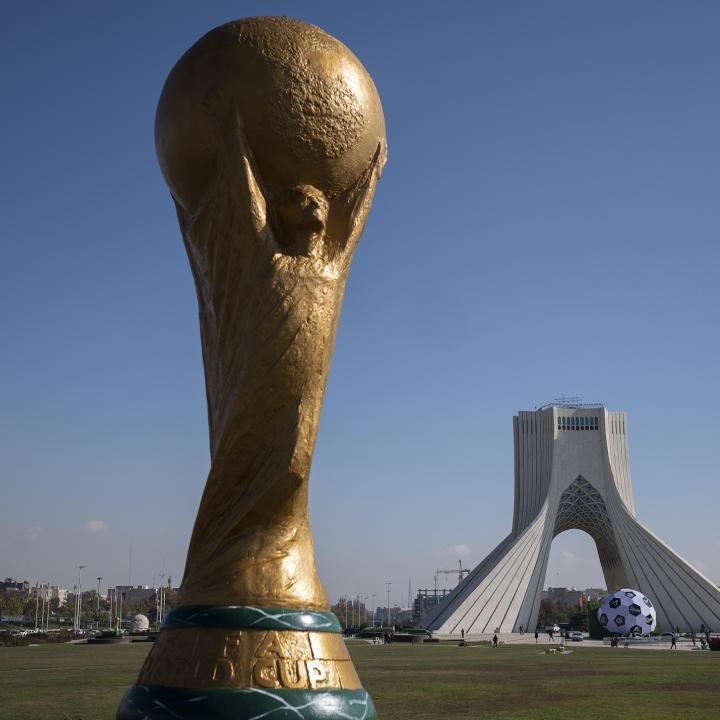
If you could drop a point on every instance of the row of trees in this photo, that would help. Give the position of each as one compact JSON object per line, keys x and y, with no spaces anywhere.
{"x":351,"y":613}
{"x":552,"y":613}
{"x":94,"y":610}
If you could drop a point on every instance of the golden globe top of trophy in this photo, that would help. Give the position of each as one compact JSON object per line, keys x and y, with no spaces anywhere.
{"x":270,"y":135}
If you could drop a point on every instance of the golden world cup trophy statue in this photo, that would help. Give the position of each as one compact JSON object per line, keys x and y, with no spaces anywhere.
{"x":271,"y":137}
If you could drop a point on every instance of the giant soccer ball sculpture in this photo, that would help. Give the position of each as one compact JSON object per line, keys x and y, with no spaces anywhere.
{"x":627,"y":612}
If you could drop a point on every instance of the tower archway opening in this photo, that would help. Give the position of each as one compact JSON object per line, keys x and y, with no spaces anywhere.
{"x":582,"y":507}
{"x":573,"y":562}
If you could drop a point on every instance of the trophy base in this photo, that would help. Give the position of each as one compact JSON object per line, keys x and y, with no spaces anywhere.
{"x":157,"y":702}
{"x":246,"y":663}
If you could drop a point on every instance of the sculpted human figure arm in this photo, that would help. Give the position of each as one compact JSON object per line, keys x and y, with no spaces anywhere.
{"x":350,"y":209}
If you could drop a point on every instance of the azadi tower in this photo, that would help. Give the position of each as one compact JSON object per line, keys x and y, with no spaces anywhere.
{"x":572,"y":472}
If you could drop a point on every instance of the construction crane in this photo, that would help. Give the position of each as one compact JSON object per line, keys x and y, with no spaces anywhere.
{"x":460,"y":572}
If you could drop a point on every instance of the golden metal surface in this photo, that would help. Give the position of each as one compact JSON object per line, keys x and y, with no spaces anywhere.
{"x":217,"y":657}
{"x":270,"y":134}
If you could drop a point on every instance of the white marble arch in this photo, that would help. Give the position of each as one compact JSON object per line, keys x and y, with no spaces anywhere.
{"x":572,"y":472}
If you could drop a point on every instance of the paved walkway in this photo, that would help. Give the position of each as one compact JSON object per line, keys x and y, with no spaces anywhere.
{"x":529,"y":639}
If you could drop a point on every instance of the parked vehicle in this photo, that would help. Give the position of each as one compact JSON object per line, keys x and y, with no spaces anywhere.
{"x":576,"y":636}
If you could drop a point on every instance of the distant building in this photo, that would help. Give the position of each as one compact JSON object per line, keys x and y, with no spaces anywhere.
{"x":427,"y":599}
{"x":129,"y":595}
{"x":595,"y":593}
{"x":397,"y":615}
{"x":571,"y":596}
{"x":50,"y":592}
{"x":12,"y":585}
{"x":404,"y":615}
{"x":60,"y":593}
{"x":565,"y":596}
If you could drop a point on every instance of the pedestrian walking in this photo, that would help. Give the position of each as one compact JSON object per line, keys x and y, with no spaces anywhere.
{"x":494,"y":640}
{"x":673,"y":641}
{"x":462,"y":633}
{"x":536,"y":636}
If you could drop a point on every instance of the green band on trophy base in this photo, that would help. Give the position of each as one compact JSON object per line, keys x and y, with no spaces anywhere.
{"x":252,"y":616}
{"x":154,"y":702}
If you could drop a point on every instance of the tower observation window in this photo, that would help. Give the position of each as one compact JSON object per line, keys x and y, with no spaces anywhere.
{"x":565,"y":422}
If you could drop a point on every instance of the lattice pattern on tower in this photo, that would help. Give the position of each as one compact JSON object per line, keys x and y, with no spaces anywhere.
{"x":581,"y":507}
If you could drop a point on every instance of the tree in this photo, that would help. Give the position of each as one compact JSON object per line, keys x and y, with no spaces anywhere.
{"x":11,"y":602}
{"x":68,"y":609}
{"x":171,"y":598}
{"x":342,"y":610}
{"x":578,"y":620}
{"x":547,"y":614}
{"x":597,"y":631}
{"x":28,"y":607}
{"x":142,"y":607}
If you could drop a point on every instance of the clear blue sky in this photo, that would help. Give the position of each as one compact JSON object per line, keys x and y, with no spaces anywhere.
{"x":547,"y":223}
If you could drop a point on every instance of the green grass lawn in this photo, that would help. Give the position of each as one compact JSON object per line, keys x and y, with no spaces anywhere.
{"x":422,"y":682}
{"x":468,"y":683}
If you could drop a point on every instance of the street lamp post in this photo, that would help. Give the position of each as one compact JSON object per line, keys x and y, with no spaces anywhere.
{"x":362,"y":601}
{"x":97,"y":610}
{"x":47,"y":616}
{"x":78,"y":598}
{"x":161,"y":598}
{"x":37,"y":597}
{"x":388,"y":602}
